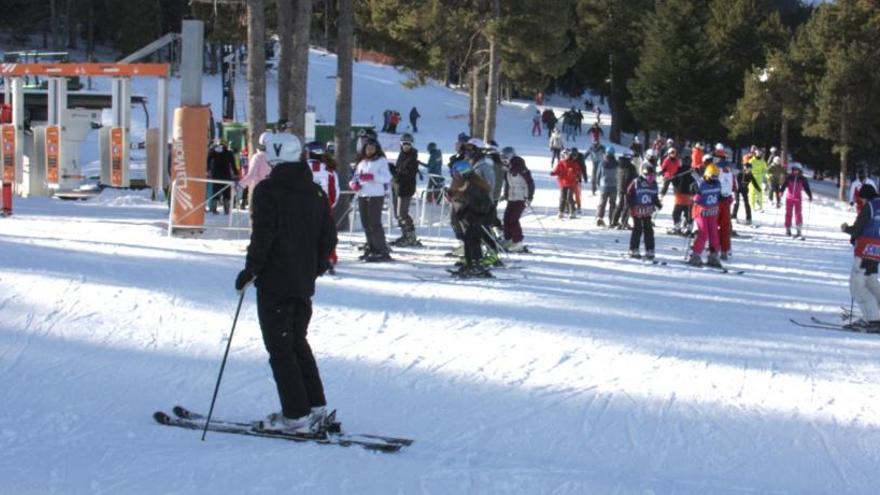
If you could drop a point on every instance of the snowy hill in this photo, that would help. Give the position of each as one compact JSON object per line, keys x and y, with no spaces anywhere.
{"x":576,"y":371}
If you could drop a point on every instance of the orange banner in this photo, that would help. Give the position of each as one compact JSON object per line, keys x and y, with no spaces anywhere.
{"x":189,"y":155}
{"x":71,"y":70}
{"x":53,"y":154}
{"x":8,"y":139}
{"x":116,"y":151}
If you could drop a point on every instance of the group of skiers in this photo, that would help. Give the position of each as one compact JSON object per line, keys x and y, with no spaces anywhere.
{"x":391,"y":119}
{"x":707,"y":190}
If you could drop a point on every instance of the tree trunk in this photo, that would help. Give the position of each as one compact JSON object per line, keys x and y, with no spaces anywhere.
{"x":72,"y":31}
{"x":53,"y":24}
{"x":494,"y":79}
{"x":783,"y":142}
{"x":478,"y":81}
{"x":285,"y":56}
{"x":90,"y":43}
{"x":328,"y":8}
{"x":342,"y":129}
{"x":299,"y":69}
{"x":844,"y":157}
{"x":472,"y":100}
{"x":616,"y":102}
{"x":256,"y":71}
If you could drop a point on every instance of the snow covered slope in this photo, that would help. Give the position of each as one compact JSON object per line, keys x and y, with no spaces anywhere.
{"x":577,"y":371}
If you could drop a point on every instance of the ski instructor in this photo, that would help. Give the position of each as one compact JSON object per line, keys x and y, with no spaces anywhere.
{"x":291,"y":240}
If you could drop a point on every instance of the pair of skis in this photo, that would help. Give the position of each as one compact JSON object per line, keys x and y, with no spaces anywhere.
{"x":331,"y":434}
{"x":857,"y":327}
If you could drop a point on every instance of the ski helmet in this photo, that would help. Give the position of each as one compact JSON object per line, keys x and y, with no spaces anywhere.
{"x":712,"y":171}
{"x":507,"y":153}
{"x":315,"y":147}
{"x":432,"y":146}
{"x":407,"y":138}
{"x":461,"y":167}
{"x":796,"y":166}
{"x":283,"y":147}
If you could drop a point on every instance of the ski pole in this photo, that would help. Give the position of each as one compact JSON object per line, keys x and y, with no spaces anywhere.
{"x":809,"y":211}
{"x":852,"y":301}
{"x":546,"y":233}
{"x":223,"y":363}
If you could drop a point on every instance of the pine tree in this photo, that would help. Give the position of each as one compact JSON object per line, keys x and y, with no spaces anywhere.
{"x":772,"y":96}
{"x":610,"y":37}
{"x":673,"y":89}
{"x":837,"y":50}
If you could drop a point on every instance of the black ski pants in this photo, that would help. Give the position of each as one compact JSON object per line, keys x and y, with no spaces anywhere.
{"x":621,"y":210}
{"x":642,"y":226}
{"x":284,"y":322}
{"x":744,"y":194}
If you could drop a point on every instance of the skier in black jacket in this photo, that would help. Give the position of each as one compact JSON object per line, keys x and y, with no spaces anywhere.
{"x":221,"y":166}
{"x":292,"y":238}
{"x":403,"y":183}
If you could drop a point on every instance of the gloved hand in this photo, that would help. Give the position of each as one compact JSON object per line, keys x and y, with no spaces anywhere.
{"x":366,"y":177}
{"x":529,"y":203}
{"x":851,"y":203}
{"x":354,"y":186}
{"x":843,"y":227}
{"x":659,"y":206}
{"x":244,"y":278}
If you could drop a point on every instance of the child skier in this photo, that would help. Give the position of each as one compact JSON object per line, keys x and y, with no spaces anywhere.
{"x":519,"y":189}
{"x":567,"y":173}
{"x":643,"y":198}
{"x":793,"y":186}
{"x":707,"y":195}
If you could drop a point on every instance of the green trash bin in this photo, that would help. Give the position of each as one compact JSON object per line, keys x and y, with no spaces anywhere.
{"x":326,"y":132}
{"x":235,"y":134}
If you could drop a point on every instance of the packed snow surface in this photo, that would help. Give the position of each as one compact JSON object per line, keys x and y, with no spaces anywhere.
{"x":576,"y":371}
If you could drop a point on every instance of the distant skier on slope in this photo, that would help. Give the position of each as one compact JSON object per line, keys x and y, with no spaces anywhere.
{"x":793,"y":187}
{"x":293,"y":235}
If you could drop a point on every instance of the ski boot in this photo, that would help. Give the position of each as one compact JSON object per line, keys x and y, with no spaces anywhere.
{"x":634,"y":253}
{"x":304,"y":425}
{"x":516,"y":247}
{"x":491,"y":259}
{"x":367,"y":250}
{"x":600,"y":222}
{"x":788,"y":231}
{"x":695,"y":260}
{"x":724,"y":255}
{"x":713,"y":260}
{"x":649,"y":255}
{"x":378,"y":257}
{"x":399,"y":241}
{"x":798,"y":231}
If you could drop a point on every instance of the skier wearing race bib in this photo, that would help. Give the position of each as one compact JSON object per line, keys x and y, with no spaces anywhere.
{"x":643,"y":198}
{"x":865,"y":236}
{"x":707,"y":196}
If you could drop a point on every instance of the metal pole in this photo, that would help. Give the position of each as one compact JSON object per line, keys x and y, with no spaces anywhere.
{"x":223,"y":363}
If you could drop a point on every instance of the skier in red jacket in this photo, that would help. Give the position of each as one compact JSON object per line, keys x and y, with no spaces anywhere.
{"x":568,"y":174}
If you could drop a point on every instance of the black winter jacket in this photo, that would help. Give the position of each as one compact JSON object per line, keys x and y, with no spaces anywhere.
{"x":405,"y":171}
{"x":293,"y":233}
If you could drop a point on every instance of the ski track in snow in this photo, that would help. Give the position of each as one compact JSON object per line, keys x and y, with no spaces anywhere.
{"x":577,"y":371}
